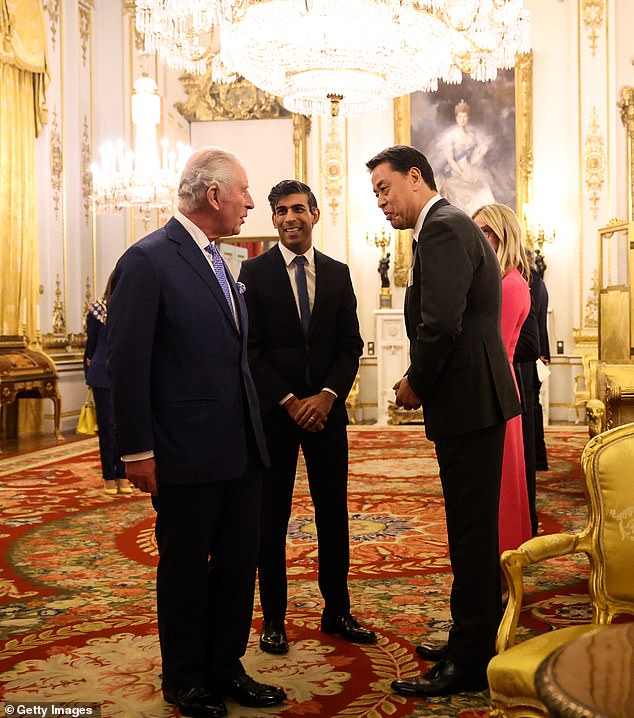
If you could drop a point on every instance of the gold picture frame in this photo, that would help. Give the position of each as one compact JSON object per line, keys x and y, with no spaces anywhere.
{"x":523,"y":89}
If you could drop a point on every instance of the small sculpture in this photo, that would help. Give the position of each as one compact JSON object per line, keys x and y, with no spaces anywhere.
{"x":384,"y":265}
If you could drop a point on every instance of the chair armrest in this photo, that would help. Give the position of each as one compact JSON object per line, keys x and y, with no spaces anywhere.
{"x":535,"y":550}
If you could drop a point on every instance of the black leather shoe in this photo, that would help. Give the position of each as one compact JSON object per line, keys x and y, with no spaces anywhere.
{"x":252,"y":694}
{"x":444,"y":679}
{"x":430,"y":652}
{"x":273,"y":637}
{"x":347,"y":626}
{"x":196,"y":702}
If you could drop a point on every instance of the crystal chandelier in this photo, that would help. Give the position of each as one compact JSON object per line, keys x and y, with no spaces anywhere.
{"x":141,"y":178}
{"x":180,"y":32}
{"x":349,"y":56}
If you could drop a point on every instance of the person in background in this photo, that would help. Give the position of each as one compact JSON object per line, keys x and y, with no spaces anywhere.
{"x":95,"y":353}
{"x":304,"y":349}
{"x":541,"y":456}
{"x":460,"y":374}
{"x":527,"y":353}
{"x":189,"y":428}
{"x":501,"y":227}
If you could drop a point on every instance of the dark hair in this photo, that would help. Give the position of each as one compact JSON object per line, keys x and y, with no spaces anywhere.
{"x":402,"y":158}
{"x":286,"y":187}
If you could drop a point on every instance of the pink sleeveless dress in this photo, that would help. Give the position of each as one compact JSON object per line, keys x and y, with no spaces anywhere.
{"x":514,"y":514}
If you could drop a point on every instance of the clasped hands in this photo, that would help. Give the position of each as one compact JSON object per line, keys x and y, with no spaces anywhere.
{"x":311,"y":412}
{"x":405,"y":395}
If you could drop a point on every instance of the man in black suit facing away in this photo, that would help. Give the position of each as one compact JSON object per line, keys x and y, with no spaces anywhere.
{"x":189,"y":429}
{"x":460,"y":374}
{"x":304,"y":349}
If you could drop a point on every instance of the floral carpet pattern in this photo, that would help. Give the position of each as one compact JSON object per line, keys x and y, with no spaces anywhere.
{"x":77,"y":614}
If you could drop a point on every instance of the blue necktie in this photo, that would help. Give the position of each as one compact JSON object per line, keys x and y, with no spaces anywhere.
{"x":302,"y":291}
{"x":221,"y":275}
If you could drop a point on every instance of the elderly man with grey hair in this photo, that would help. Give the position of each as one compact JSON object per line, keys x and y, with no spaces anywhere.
{"x":190,"y":432}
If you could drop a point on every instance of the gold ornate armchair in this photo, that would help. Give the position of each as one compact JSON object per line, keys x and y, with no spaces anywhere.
{"x":608,"y":542}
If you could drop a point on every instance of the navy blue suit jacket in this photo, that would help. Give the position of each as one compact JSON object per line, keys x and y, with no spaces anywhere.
{"x":178,"y":368}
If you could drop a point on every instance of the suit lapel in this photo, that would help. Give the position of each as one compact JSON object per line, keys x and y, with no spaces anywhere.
{"x":190,"y":253}
{"x":321,"y":278}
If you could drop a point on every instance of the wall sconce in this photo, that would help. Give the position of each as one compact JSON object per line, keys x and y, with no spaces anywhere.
{"x":536,"y":238}
{"x":382,"y":241}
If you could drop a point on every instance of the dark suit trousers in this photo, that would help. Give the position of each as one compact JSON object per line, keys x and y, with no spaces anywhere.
{"x":326,"y":455}
{"x":111,"y":465}
{"x":470,"y":472}
{"x":207,"y":536}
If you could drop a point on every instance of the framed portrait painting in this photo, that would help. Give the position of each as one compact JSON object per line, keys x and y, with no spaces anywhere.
{"x":477,"y":137}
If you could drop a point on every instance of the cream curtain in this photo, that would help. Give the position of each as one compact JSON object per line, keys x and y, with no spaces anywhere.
{"x":23,"y":78}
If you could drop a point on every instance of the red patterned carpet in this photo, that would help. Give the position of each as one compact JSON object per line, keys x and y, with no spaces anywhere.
{"x":77,"y":617}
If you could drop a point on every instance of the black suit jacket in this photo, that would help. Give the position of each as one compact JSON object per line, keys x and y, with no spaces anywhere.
{"x":178,"y":365}
{"x":280,"y":354}
{"x":459,"y":367}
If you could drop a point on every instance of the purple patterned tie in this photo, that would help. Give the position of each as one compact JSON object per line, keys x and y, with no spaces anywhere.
{"x":221,"y":275}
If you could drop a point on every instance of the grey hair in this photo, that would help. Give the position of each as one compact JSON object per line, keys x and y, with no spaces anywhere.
{"x":205,"y":168}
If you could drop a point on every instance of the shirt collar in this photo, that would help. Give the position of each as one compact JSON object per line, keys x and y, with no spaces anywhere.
{"x":289,"y":255}
{"x":201,"y":239}
{"x":423,"y":214}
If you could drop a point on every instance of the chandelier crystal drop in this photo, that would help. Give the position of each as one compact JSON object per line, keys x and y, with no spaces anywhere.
{"x":141,"y":178}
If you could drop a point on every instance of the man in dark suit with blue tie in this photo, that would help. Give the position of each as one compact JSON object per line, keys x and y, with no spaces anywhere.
{"x":304,"y":349}
{"x":460,"y":374}
{"x":189,"y":429}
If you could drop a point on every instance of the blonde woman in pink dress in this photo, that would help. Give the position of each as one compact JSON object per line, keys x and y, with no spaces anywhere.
{"x":501,"y":227}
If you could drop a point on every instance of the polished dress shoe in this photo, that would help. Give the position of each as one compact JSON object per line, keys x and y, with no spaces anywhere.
{"x":347,"y":626}
{"x":273,"y":637}
{"x":430,"y":652}
{"x":444,"y":679}
{"x":250,"y":693}
{"x":196,"y":702}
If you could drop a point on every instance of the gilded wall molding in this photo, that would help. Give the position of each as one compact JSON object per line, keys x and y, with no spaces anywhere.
{"x":239,"y":100}
{"x":523,"y":131}
{"x":403,"y":239}
{"x":591,"y":317}
{"x":593,"y":13}
{"x":52,"y":10}
{"x":85,"y":29}
{"x":626,"y":105}
{"x":86,"y":175}
{"x":301,"y":130}
{"x":594,"y":163}
{"x":332,"y":168}
{"x":57,"y":165}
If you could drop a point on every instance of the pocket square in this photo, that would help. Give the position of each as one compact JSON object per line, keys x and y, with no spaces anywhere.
{"x":241,"y":287}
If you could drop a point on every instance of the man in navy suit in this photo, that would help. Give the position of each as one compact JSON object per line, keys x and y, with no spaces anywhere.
{"x":189,"y":429}
{"x":460,"y":374}
{"x":304,"y":349}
